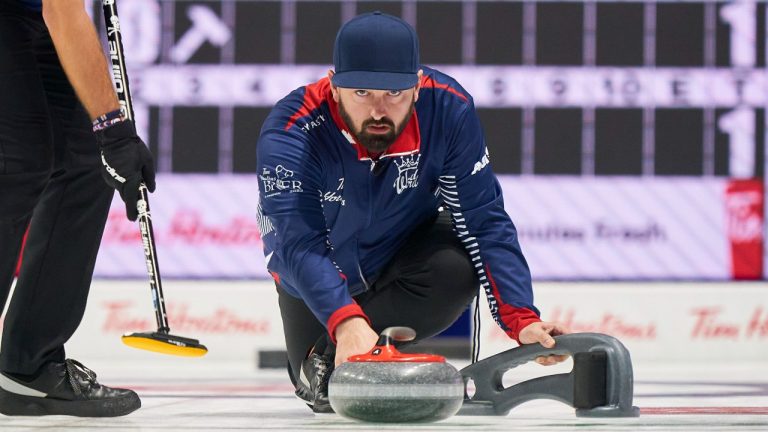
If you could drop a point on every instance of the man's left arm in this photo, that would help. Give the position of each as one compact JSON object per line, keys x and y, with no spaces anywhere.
{"x":473,"y":195}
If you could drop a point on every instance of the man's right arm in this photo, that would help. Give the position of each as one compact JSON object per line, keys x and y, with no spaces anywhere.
{"x":353,"y":336}
{"x":81,"y":55}
{"x":290,"y":183}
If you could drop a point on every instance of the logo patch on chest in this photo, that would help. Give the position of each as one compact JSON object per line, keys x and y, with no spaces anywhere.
{"x":407,"y":173}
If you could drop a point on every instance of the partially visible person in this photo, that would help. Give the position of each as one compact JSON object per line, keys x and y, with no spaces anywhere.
{"x":62,"y":134}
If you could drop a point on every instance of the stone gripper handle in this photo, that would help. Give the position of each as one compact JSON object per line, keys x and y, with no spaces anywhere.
{"x":600,"y":384}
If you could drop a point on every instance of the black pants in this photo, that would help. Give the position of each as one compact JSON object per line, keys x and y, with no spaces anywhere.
{"x":427,"y":286}
{"x":50,"y":180}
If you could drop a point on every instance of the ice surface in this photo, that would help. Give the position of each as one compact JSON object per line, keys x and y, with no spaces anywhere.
{"x":190,"y":395}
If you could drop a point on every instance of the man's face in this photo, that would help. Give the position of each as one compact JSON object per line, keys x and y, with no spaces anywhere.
{"x":376,"y":117}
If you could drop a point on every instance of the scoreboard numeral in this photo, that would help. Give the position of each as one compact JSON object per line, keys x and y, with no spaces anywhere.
{"x":739,"y":125}
{"x":742,"y":17}
{"x":628,"y":88}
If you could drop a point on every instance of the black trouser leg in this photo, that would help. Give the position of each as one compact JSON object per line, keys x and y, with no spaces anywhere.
{"x":302,"y":330}
{"x":427,"y":286}
{"x":51,"y":292}
{"x":26,"y":148}
{"x":51,"y":170}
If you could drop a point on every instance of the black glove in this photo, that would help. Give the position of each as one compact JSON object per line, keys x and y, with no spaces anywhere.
{"x":126,"y":163}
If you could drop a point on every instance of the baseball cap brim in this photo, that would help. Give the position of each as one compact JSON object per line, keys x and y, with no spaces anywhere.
{"x":375,"y":80}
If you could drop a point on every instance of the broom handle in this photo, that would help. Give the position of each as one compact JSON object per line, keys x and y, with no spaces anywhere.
{"x":120,"y":77}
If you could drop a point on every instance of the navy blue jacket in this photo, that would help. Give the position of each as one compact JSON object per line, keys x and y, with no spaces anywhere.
{"x":330,"y":222}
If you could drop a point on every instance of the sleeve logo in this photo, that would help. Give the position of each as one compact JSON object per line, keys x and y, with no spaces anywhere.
{"x":280,"y":182}
{"x":479,"y":165}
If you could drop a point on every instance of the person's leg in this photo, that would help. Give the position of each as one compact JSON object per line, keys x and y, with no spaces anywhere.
{"x":58,"y":259}
{"x":428,"y":284}
{"x":310,"y":356}
{"x":55,"y":275}
{"x":64,"y":235}
{"x":302,"y":331}
{"x":26,"y":145}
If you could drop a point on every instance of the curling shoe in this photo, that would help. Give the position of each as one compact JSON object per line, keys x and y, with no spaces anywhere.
{"x":67,"y":388}
{"x":313,"y":382}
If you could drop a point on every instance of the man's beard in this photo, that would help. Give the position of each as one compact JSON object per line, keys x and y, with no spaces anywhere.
{"x":376,"y":143}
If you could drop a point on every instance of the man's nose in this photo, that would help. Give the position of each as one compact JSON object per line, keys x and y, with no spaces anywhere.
{"x":378,"y":108}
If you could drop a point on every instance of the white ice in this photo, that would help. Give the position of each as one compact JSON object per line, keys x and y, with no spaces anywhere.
{"x":195,"y":395}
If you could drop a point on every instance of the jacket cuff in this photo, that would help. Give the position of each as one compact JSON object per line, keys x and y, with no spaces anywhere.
{"x":516,"y":319}
{"x":340,"y":315}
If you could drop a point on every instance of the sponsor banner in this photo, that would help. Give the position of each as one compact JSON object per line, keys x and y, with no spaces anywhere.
{"x":237,"y":319}
{"x":745,"y":220}
{"x":637,"y":228}
{"x":569,"y":227}
{"x":233,"y":319}
{"x":490,"y":86}
{"x":205,"y":226}
{"x":657,"y":322}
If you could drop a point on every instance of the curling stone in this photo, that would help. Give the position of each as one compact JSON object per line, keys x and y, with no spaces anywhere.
{"x":388,"y":386}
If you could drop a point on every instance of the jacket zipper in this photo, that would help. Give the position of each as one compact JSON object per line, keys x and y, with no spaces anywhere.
{"x":369,"y":180}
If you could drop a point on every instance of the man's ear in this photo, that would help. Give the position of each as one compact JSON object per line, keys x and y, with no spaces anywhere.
{"x":334,"y":89}
{"x":418,"y":86}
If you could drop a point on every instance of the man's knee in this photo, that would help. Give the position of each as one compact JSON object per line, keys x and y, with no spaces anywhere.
{"x":451,"y":269}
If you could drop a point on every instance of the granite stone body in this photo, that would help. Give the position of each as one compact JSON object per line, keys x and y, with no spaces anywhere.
{"x":396,"y":392}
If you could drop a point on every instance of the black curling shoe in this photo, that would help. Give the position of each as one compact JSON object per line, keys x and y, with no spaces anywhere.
{"x":67,"y":388}
{"x":313,"y":383}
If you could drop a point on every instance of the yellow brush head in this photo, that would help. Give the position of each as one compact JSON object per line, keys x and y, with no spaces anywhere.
{"x":165,"y":344}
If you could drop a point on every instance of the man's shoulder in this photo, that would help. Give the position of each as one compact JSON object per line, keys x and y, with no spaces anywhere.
{"x":299,"y":107}
{"x":443,"y":84}
{"x":293,"y":127}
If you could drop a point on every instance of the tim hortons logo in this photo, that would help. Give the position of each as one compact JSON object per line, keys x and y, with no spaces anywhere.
{"x":745,"y":223}
{"x":120,"y":319}
{"x":335,"y":197}
{"x":187,"y":227}
{"x":610,"y":323}
{"x":407,"y":173}
{"x":709,"y":323}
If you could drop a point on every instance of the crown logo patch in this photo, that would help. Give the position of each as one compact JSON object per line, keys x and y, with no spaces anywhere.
{"x":407,"y":173}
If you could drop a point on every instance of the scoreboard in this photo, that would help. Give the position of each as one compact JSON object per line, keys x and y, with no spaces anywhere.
{"x":652,"y":90}
{"x":563,"y":87}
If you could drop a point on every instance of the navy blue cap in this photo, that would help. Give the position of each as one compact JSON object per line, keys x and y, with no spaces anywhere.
{"x":376,"y":51}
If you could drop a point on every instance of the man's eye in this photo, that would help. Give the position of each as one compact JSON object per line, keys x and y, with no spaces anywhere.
{"x":395,"y":92}
{"x":361,"y":92}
